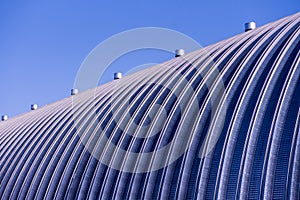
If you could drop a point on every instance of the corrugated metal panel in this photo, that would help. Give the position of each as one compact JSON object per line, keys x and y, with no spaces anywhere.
{"x":42,"y":153}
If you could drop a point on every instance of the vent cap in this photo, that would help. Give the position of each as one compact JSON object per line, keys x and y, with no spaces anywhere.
{"x":250,"y":26}
{"x":4,"y":117}
{"x":74,"y":91}
{"x":117,"y":75}
{"x":179,"y":52}
{"x":34,"y":106}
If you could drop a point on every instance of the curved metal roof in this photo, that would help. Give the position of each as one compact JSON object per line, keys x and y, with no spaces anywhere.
{"x":117,"y":144}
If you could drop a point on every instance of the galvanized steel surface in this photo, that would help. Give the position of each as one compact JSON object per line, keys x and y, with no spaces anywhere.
{"x":257,"y":154}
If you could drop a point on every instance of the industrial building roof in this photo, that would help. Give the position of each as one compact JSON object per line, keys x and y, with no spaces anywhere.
{"x":221,"y":122}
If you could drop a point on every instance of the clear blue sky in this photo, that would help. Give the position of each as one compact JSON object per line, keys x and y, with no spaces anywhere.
{"x":42,"y":45}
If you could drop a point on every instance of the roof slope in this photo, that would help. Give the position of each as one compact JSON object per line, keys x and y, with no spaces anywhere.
{"x":57,"y":151}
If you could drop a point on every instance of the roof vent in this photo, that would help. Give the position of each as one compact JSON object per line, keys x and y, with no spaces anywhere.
{"x":34,"y":106}
{"x":117,"y":75}
{"x":179,"y":52}
{"x":74,"y":91}
{"x":250,"y":26}
{"x":4,"y":117}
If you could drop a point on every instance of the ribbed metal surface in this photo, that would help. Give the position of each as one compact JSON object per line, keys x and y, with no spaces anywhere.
{"x":256,"y":156}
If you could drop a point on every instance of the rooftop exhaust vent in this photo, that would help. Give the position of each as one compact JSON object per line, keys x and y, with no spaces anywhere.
{"x":34,"y":106}
{"x":117,"y":75}
{"x":4,"y":117}
{"x":74,"y":91}
{"x":179,"y":52}
{"x":250,"y":26}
